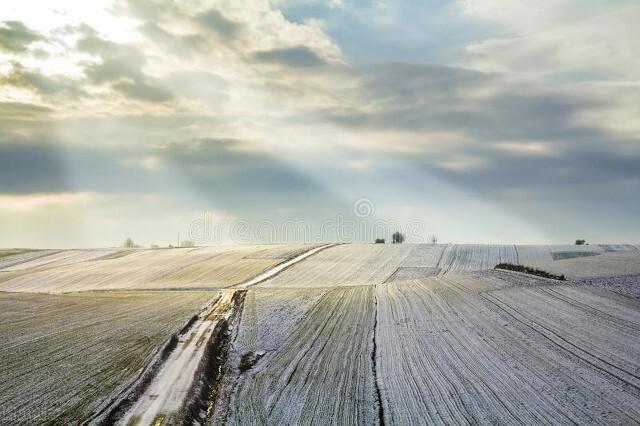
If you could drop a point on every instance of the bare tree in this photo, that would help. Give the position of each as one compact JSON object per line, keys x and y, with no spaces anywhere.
{"x":434,"y":239}
{"x":397,"y":238}
{"x":128,"y":243}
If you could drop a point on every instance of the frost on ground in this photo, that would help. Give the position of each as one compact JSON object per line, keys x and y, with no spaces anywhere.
{"x":604,"y":265}
{"x":282,"y":252}
{"x":353,"y":334}
{"x":197,"y":268}
{"x":628,"y":285}
{"x":501,"y":278}
{"x":477,"y":257}
{"x":321,"y":373}
{"x":64,"y":355}
{"x":412,"y":272}
{"x":270,"y":315}
{"x":11,"y":258}
{"x":483,"y":347}
{"x":619,"y":247}
{"x":50,"y":258}
{"x":451,"y":355}
{"x":344,"y":265}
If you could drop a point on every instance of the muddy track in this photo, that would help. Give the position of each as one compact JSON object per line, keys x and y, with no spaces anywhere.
{"x":203,"y":395}
{"x":115,"y":407}
{"x":178,"y":392}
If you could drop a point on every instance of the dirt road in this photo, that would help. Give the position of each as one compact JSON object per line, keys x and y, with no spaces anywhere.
{"x":167,"y":394}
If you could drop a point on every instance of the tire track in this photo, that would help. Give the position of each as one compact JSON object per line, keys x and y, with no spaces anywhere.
{"x":593,"y":360}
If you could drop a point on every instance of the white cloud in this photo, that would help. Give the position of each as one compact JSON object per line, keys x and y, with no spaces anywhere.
{"x":527,"y":148}
{"x":589,"y":39}
{"x":30,"y":202}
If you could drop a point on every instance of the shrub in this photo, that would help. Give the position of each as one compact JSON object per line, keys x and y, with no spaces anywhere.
{"x":530,"y":271}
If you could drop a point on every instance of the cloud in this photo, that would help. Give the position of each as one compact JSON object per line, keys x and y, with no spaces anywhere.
{"x":557,"y":40}
{"x":227,"y":166}
{"x":298,"y":56}
{"x":214,"y":20}
{"x":13,"y":111}
{"x":30,"y":202}
{"x":16,"y":37}
{"x":527,"y":148}
{"x":144,"y":91}
{"x":512,"y":136}
{"x":21,"y":77}
{"x":27,"y":167}
{"x":243,"y":104}
{"x":122,"y":66}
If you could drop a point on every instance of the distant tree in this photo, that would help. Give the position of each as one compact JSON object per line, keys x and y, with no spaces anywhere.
{"x":187,"y":243}
{"x":397,"y":238}
{"x":580,"y":242}
{"x":128,"y":243}
{"x":379,"y":240}
{"x":434,"y":239}
{"x":154,"y":246}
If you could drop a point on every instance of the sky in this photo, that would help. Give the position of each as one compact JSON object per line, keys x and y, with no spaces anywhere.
{"x":477,"y":121}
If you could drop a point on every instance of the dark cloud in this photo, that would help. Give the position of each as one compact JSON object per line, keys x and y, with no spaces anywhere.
{"x":223,"y":163}
{"x":9,"y":110}
{"x":143,"y":91}
{"x":215,"y":21}
{"x":118,"y":60}
{"x":22,"y":77}
{"x":485,"y":111}
{"x":229,"y":175}
{"x":224,"y":173}
{"x":28,"y":167}
{"x":435,"y":98}
{"x":122,"y":66}
{"x":184,"y":45}
{"x":23,"y":119}
{"x":298,"y":56}
{"x":16,"y":37}
{"x":404,"y":83}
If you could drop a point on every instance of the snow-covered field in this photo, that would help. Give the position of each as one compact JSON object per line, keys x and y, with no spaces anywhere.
{"x":321,"y":372}
{"x":345,"y":265}
{"x":62,"y":355}
{"x":537,"y":355}
{"x":344,"y":338}
{"x":603,"y":265}
{"x":350,"y":334}
{"x":52,"y":258}
{"x":197,"y":268}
